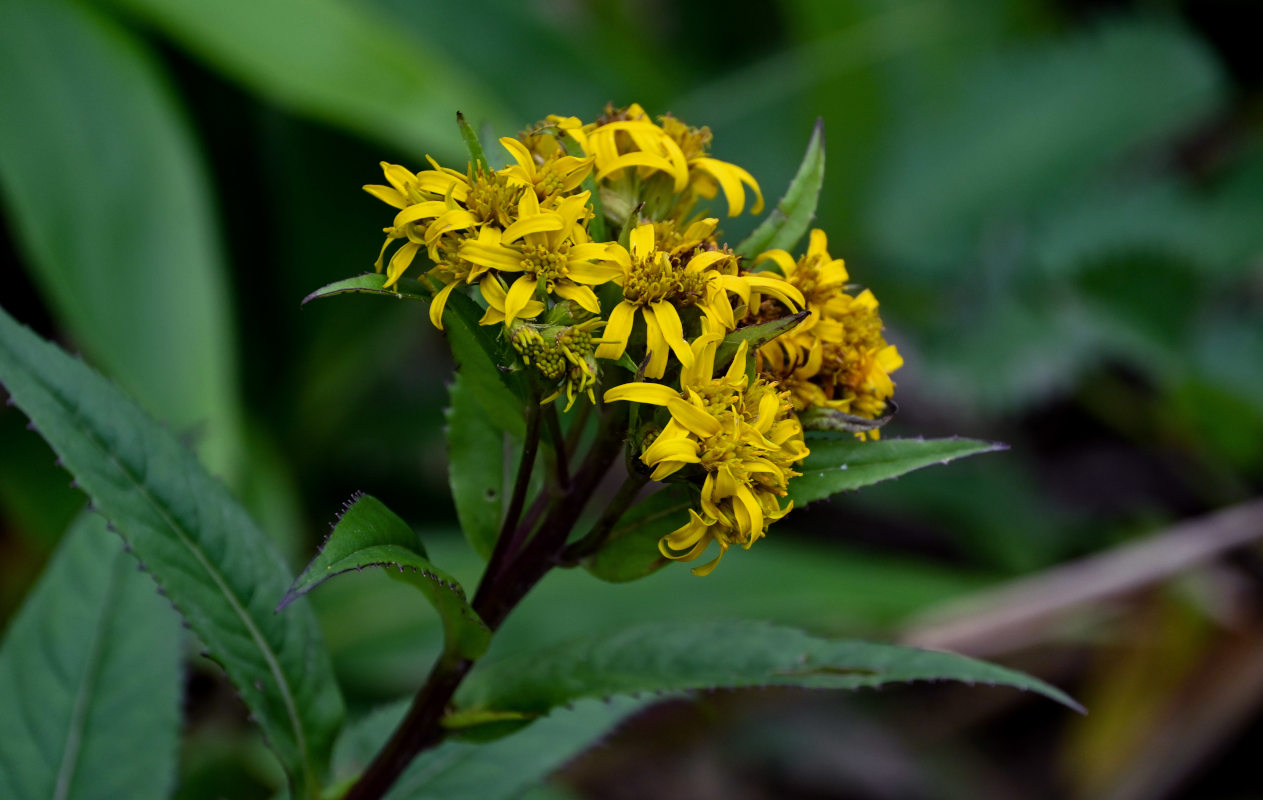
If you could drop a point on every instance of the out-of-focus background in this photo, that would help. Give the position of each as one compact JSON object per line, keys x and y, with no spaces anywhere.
{"x":1059,"y":205}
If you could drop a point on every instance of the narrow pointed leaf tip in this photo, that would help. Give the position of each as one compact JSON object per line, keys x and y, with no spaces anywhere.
{"x":373,"y":283}
{"x":471,"y":142}
{"x":787,"y":223}
{"x":368,"y":534}
{"x":681,"y":656}
{"x":844,"y":464}
{"x":756,"y":335}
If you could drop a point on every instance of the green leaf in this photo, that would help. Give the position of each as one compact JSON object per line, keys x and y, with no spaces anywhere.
{"x":113,"y":213}
{"x":374,"y":283}
{"x":755,"y":335}
{"x":90,"y":679}
{"x":201,"y":547}
{"x":496,"y":771}
{"x":475,"y":468}
{"x":368,"y":534}
{"x":334,"y":61}
{"x":479,"y":359}
{"x":787,"y":223}
{"x":631,"y":551}
{"x":1030,"y":123}
{"x":677,"y":656}
{"x":844,"y":464}
{"x":471,"y":143}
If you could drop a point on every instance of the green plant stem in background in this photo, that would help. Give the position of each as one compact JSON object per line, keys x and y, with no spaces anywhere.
{"x":513,"y":571}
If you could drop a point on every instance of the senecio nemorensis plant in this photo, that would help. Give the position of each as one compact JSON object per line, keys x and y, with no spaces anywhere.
{"x":665,"y":395}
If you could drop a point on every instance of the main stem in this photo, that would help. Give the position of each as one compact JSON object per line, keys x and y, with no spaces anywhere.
{"x":515,"y":573}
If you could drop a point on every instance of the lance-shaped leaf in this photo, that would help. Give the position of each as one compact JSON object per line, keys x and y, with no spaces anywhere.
{"x":787,"y":223}
{"x":755,"y":335}
{"x":475,"y":468}
{"x":840,"y":463}
{"x":677,"y":656}
{"x":199,"y":544}
{"x":631,"y":551}
{"x":90,"y":679}
{"x":497,"y":771}
{"x":374,"y":283}
{"x":471,"y":143}
{"x":480,"y":357}
{"x":368,"y":534}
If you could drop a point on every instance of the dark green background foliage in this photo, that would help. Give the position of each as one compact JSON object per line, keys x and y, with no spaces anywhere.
{"x":1059,"y":205}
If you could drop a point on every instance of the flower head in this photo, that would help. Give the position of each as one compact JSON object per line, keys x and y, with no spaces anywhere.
{"x":837,"y":358}
{"x":658,"y":282}
{"x":742,"y":437}
{"x":551,"y":252}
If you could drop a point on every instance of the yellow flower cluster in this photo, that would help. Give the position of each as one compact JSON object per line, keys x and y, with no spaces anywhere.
{"x":836,"y":358}
{"x":663,"y":292}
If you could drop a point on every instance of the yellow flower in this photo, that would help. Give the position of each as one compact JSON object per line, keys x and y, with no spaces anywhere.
{"x":550,"y":176}
{"x":437,"y":201}
{"x":658,"y":282}
{"x":741,"y":435}
{"x":837,"y":358}
{"x":551,"y":250}
{"x":629,"y":139}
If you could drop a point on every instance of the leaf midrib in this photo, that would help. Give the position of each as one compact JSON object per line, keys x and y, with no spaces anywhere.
{"x":272,"y":663}
{"x":79,"y":712}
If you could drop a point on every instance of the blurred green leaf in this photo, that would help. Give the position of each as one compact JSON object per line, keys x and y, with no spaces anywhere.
{"x":332,"y":60}
{"x":368,"y":534}
{"x":677,"y":656}
{"x":217,"y":567}
{"x":844,"y":464}
{"x":475,"y":468}
{"x":1034,"y":121}
{"x":495,"y":771}
{"x":786,"y":224}
{"x":90,"y":679}
{"x":631,"y":551}
{"x":111,"y":207}
{"x":477,"y":352}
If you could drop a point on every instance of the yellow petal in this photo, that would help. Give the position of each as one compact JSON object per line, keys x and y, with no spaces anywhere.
{"x":438,"y":303}
{"x":655,"y":344}
{"x":617,"y":331}
{"x":416,"y":211}
{"x":782,"y":259}
{"x":540,"y":223}
{"x":673,"y":331}
{"x":585,"y":297}
{"x":782,"y":290}
{"x":655,"y":394}
{"x":520,"y":293}
{"x":591,"y":274}
{"x":638,"y":158}
{"x":520,"y":154}
{"x":642,"y":241}
{"x":399,"y":262}
{"x":693,"y":418}
{"x":387,"y":194}
{"x":492,"y":256}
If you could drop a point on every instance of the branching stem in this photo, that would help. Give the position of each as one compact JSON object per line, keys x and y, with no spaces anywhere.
{"x":516,"y":566}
